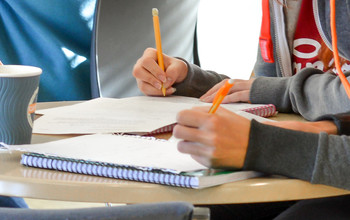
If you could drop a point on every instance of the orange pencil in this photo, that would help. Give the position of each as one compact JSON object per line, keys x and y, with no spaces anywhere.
{"x":341,"y":75}
{"x":158,"y":42}
{"x":220,"y":95}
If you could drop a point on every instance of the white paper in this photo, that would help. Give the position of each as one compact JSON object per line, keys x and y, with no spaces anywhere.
{"x":117,"y":149}
{"x":141,"y":114}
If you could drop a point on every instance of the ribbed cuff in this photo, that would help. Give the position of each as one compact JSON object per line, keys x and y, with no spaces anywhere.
{"x":197,"y":81}
{"x":271,"y":90}
{"x":274,"y":150}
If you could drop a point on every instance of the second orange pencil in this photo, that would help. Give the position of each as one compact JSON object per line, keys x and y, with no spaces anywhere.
{"x":221,"y":95}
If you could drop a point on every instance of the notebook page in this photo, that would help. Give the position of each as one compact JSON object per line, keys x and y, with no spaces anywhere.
{"x":126,"y":150}
{"x":106,"y":115}
{"x":140,"y":114}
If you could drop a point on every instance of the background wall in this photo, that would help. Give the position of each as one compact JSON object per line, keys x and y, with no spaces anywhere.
{"x":228,"y":32}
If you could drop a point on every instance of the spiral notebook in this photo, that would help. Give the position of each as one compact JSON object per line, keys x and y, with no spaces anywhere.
{"x":142,"y":115}
{"x":126,"y":157}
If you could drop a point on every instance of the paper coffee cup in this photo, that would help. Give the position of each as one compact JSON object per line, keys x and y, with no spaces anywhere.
{"x":19,"y":86}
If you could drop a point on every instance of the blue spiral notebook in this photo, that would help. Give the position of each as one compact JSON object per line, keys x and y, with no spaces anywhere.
{"x":126,"y":157}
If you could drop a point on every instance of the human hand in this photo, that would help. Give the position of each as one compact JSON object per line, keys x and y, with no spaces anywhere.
{"x":149,"y":76}
{"x":238,"y":93}
{"x":312,"y":127}
{"x":217,"y":140}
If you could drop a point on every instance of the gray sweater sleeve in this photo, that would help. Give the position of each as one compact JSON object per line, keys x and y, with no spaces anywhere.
{"x":318,"y":158}
{"x":197,"y":82}
{"x":310,"y":93}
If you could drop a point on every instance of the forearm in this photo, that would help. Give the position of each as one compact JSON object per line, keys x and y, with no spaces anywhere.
{"x":341,"y":121}
{"x":197,"y":81}
{"x":318,"y":158}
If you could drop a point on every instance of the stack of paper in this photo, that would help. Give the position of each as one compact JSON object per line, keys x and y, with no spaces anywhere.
{"x":135,"y":115}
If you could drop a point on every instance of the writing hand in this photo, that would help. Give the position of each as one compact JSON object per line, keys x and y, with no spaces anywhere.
{"x":149,"y":76}
{"x":238,"y":93}
{"x":217,"y":140}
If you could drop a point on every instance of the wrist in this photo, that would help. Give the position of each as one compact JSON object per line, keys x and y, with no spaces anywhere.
{"x":183,"y":71}
{"x":327,"y":126}
{"x":340,"y":121}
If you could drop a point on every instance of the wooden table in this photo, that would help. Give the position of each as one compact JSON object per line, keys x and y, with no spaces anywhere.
{"x":17,"y":180}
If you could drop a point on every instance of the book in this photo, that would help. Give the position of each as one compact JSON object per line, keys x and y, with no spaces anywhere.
{"x":126,"y":157}
{"x":141,"y":115}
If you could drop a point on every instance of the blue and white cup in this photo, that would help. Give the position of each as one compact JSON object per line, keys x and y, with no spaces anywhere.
{"x":19,"y":86}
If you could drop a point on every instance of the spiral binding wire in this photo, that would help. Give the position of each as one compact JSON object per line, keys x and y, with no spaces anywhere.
{"x":117,"y":171}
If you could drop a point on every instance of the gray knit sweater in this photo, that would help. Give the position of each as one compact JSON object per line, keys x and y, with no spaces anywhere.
{"x":318,"y":158}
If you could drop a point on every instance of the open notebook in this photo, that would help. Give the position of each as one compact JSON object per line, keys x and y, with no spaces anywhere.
{"x":126,"y":157}
{"x":135,"y":115}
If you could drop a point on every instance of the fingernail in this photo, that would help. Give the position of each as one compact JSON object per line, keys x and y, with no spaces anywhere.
{"x":168,"y":79}
{"x":162,"y":78}
{"x":157,"y":85}
{"x":206,"y":99}
{"x":172,"y":90}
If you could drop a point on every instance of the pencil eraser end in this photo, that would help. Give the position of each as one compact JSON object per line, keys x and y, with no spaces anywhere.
{"x":155,"y":12}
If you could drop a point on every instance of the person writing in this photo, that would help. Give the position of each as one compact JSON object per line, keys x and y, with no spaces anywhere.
{"x":318,"y":152}
{"x":311,"y":92}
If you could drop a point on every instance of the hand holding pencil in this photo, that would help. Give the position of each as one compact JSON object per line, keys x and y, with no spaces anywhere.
{"x":156,"y":72}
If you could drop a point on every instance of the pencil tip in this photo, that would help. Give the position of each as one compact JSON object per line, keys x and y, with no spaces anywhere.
{"x":164,"y":91}
{"x":155,"y":12}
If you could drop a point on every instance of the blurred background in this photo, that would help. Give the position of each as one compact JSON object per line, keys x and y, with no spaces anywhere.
{"x":228,"y":38}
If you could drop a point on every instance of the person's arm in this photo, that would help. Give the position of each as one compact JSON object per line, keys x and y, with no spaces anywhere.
{"x":180,"y":77}
{"x":326,"y":125}
{"x":318,"y":158}
{"x":310,"y":93}
{"x":197,"y":81}
{"x":341,"y":121}
{"x":227,"y":140}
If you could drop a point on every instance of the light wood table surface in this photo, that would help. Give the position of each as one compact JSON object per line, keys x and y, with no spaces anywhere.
{"x":21,"y":181}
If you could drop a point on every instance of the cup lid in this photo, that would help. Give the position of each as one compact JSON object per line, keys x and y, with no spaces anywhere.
{"x":19,"y":71}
